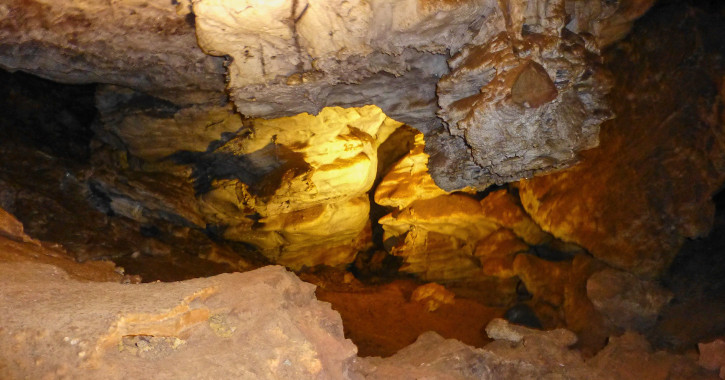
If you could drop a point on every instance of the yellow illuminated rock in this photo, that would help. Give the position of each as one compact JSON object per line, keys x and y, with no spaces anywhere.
{"x":433,"y":295}
{"x":437,"y":236}
{"x":329,"y":234}
{"x":408,"y":180}
{"x":504,"y":208}
{"x":300,"y":193}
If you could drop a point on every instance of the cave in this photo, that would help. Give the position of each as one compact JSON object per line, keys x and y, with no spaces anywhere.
{"x":330,"y":189}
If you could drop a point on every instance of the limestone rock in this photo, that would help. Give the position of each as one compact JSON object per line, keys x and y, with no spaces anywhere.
{"x":629,"y":302}
{"x":260,"y":324}
{"x":523,"y":103}
{"x":291,"y":57}
{"x":630,"y":356}
{"x":560,"y":298}
{"x":145,"y":197}
{"x":11,"y":228}
{"x":632,"y":201}
{"x":450,"y":236}
{"x":504,"y":208}
{"x":408,"y":180}
{"x":437,"y":236}
{"x":146,"y":45}
{"x":16,"y":247}
{"x":530,"y":354}
{"x":497,"y":252}
{"x":325,"y":234}
{"x":295,"y":187}
{"x":153,"y":129}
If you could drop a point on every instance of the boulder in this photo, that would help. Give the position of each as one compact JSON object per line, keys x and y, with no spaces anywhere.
{"x":629,"y":302}
{"x":259,"y":324}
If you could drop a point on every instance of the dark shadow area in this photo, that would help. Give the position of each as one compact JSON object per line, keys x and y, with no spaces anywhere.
{"x":54,"y":117}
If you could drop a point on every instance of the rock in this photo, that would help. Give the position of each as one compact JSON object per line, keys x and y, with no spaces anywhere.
{"x":261,"y":324}
{"x":500,"y":329}
{"x":16,"y":247}
{"x":152,"y":129}
{"x":630,"y":357}
{"x":437,"y":236}
{"x":11,"y":228}
{"x":408,"y":180}
{"x":325,"y":234}
{"x":300,"y":57}
{"x":295,"y":187}
{"x":545,"y":280}
{"x":629,"y":302}
{"x":146,"y":45}
{"x":497,"y":252}
{"x":289,"y":57}
{"x":712,"y":356}
{"x":148,"y":196}
{"x":632,"y":201}
{"x":522,"y":353}
{"x":433,"y":295}
{"x":515,"y":119}
{"x":560,"y":298}
{"x":505,"y":209}
{"x":431,"y":356}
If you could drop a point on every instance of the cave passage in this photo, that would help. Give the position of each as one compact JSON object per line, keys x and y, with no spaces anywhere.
{"x":445,"y":228}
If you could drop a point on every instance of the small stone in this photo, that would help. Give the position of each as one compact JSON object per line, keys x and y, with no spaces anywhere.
{"x":433,"y":296}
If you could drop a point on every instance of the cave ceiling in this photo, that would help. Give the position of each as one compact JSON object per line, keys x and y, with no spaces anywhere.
{"x":502,"y":90}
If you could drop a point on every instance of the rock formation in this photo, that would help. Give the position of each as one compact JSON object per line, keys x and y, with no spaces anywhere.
{"x":632,"y":201}
{"x":528,"y":68}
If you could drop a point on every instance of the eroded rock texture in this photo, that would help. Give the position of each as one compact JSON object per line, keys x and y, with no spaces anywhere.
{"x":521,"y":353}
{"x":632,"y":201}
{"x":521,"y":95}
{"x":262,"y":324}
{"x":450,"y":236}
{"x":147,"y":45}
{"x":523,"y":103}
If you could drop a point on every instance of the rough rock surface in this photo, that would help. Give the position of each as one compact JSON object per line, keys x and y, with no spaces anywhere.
{"x":288,"y":57}
{"x":523,"y":103}
{"x":152,"y":129}
{"x":522,"y":353}
{"x":146,"y":45}
{"x":295,"y":187}
{"x":629,"y":302}
{"x":450,"y":236}
{"x":632,"y":201}
{"x":408,"y":180}
{"x":260,"y":324}
{"x":17,"y":247}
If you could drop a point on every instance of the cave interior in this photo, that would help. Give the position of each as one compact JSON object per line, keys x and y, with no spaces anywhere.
{"x":473,"y":189}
